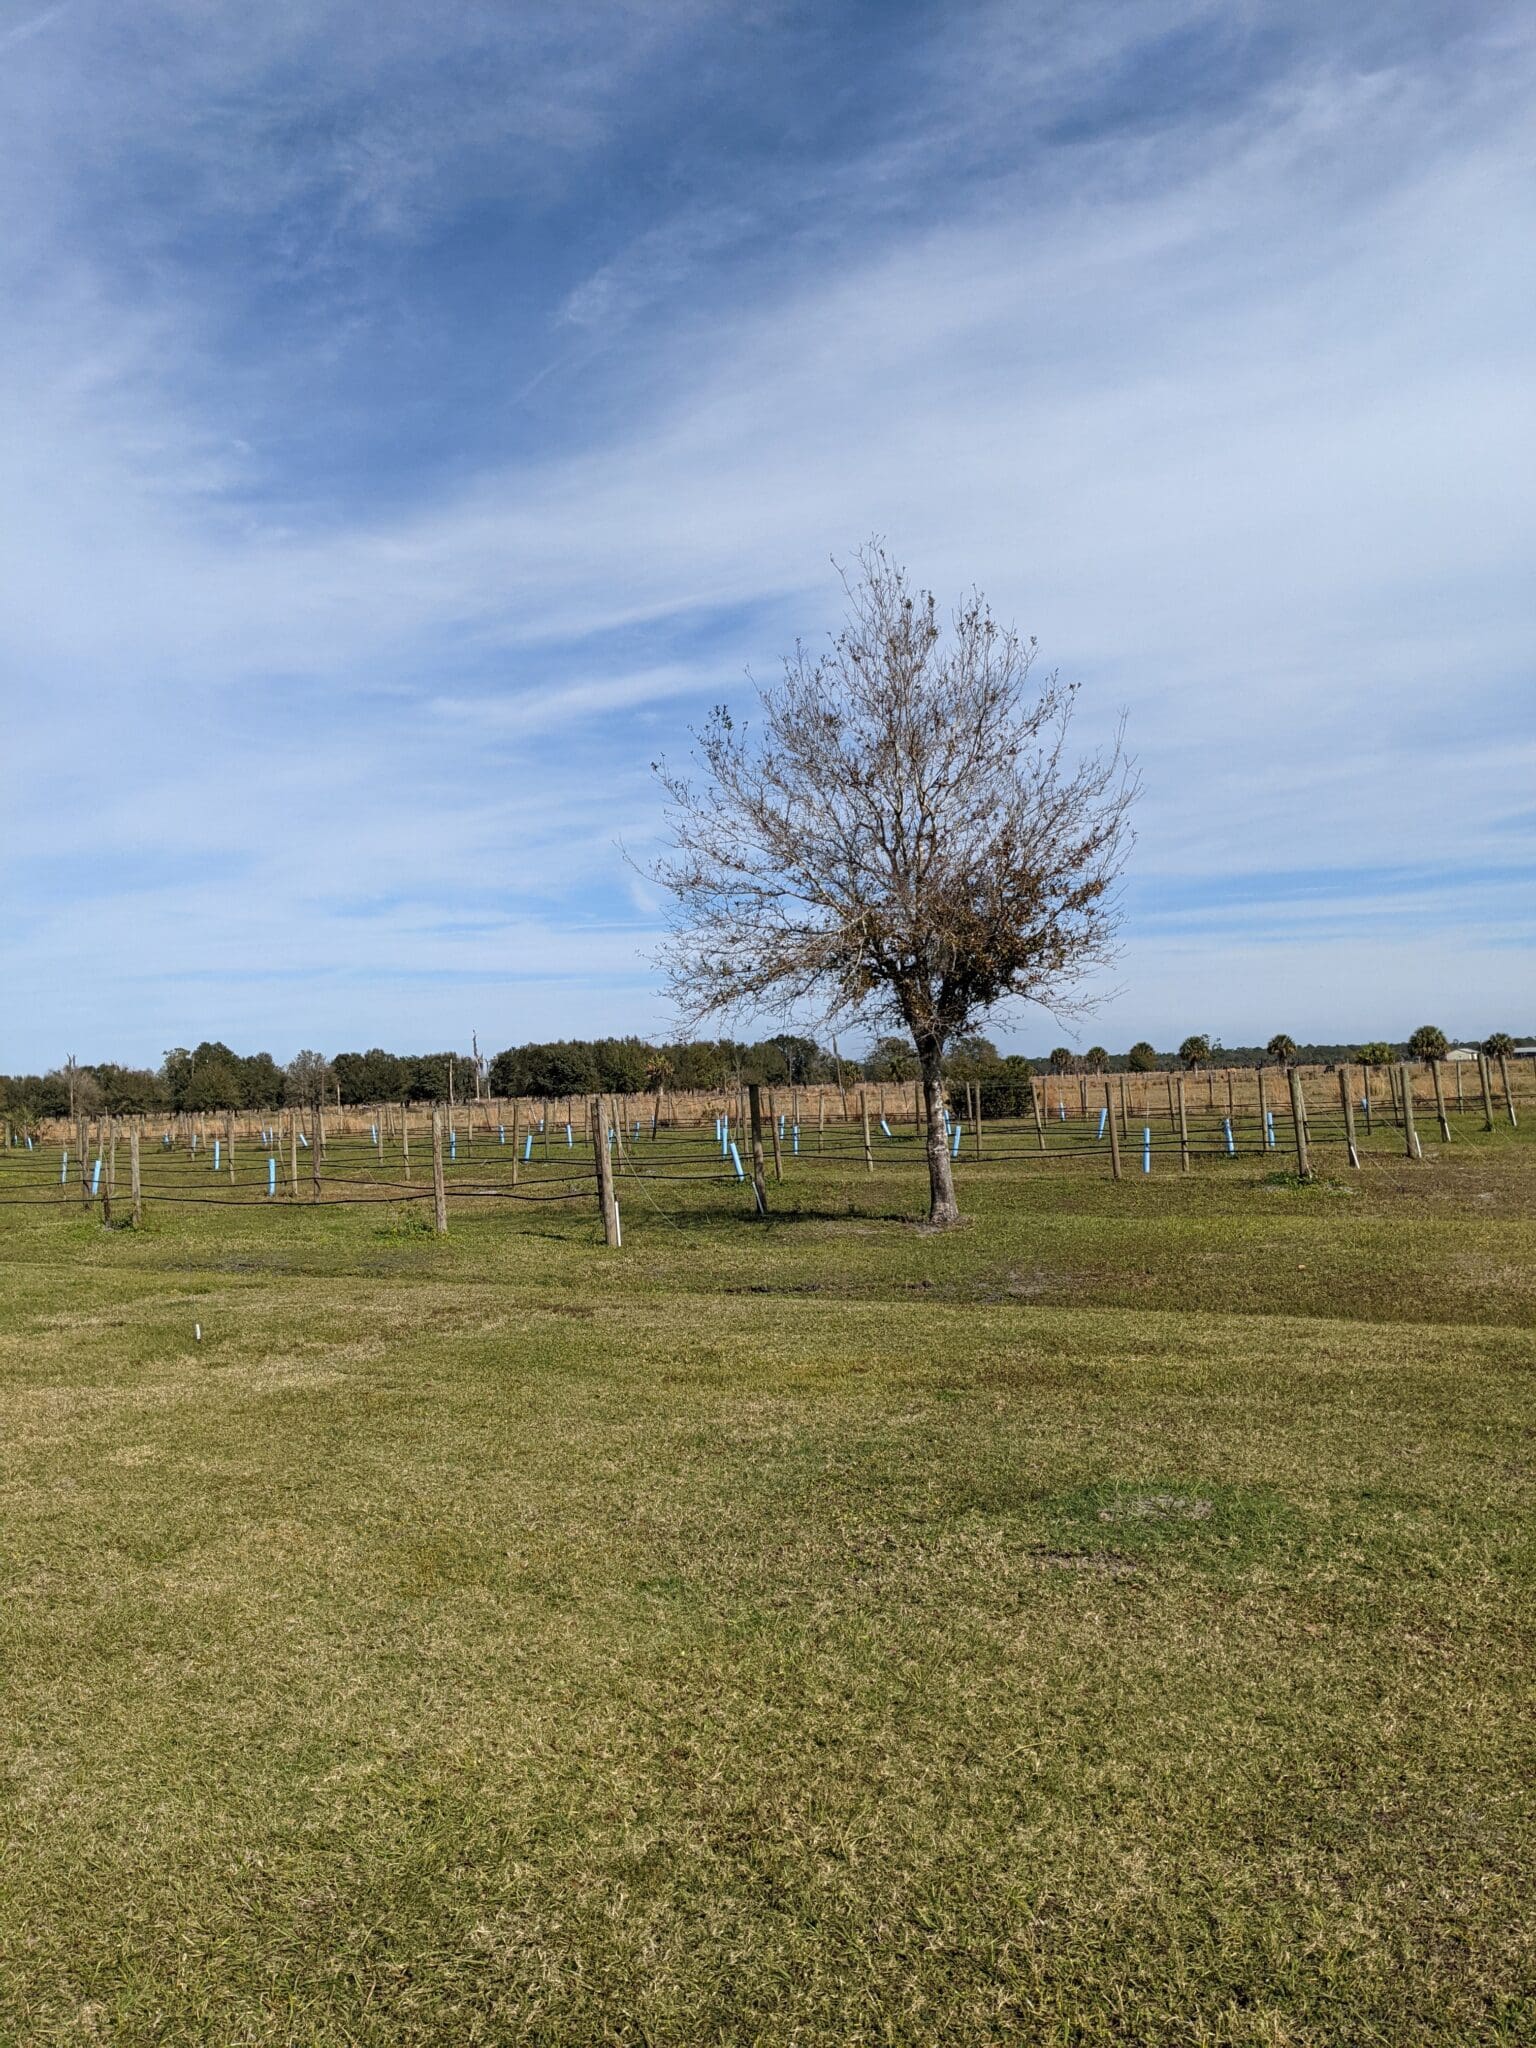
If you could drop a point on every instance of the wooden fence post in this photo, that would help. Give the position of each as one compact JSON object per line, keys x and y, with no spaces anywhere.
{"x":1299,"y":1119}
{"x":317,"y":1120}
{"x":135,"y":1189}
{"x":1509,"y":1093}
{"x":405,"y":1137}
{"x":1484,"y":1077}
{"x":1034,"y":1103}
{"x":597,"y":1116}
{"x":1365,"y":1097}
{"x":1347,"y":1104}
{"x":1183,"y":1129}
{"x":773,"y":1132}
{"x":1411,"y":1145}
{"x":517,"y":1106}
{"x":869,"y":1154}
{"x":755,"y":1116}
{"x":1445,"y":1122}
{"x":1263,"y":1115}
{"x":107,"y":1142}
{"x":1114,"y":1128}
{"x":293,"y":1155}
{"x":439,"y":1188}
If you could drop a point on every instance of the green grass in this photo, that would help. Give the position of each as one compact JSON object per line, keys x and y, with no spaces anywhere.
{"x":1107,"y":1623}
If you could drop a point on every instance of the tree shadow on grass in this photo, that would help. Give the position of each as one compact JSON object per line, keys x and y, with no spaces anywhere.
{"x":741,"y":1216}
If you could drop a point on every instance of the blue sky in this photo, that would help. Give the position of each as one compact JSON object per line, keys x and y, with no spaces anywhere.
{"x":412,"y":418}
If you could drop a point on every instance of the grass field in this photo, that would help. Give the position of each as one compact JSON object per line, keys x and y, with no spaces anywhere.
{"x":1108,"y":1623}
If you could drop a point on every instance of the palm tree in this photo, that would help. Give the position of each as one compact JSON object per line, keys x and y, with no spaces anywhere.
{"x":1282,"y":1047}
{"x":1429,"y":1042}
{"x":1498,"y":1045}
{"x":1195,"y":1052}
{"x":1061,"y":1059}
{"x":891,"y":1059}
{"x":1142,"y":1057}
{"x":1097,"y":1059}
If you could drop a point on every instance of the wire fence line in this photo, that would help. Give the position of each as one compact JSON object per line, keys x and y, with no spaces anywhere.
{"x":565,"y":1121}
{"x":118,"y":1165}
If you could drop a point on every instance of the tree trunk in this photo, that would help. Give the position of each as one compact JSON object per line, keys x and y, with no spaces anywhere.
{"x":943,"y":1209}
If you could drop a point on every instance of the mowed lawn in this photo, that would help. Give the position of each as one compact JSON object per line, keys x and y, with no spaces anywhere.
{"x":1111,"y":1623}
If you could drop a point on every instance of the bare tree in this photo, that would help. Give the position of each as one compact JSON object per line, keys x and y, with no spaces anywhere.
{"x":306,"y":1078}
{"x":906,"y":841}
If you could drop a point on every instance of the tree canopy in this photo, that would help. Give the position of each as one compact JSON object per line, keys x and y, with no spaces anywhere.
{"x":212,"y":1077}
{"x":903,"y":839}
{"x":1377,"y":1053}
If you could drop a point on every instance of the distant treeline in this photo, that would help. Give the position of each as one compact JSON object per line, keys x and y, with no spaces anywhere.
{"x":212,"y":1077}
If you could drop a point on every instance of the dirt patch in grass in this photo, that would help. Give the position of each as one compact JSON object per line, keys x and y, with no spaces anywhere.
{"x":1104,"y":1564}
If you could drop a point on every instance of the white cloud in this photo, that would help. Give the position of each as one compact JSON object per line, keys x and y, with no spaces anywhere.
{"x":1238,"y":425}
